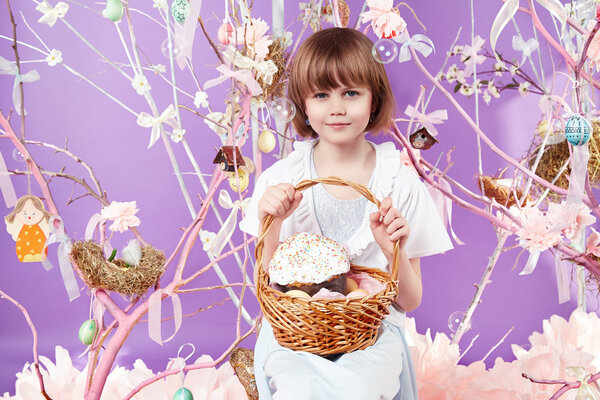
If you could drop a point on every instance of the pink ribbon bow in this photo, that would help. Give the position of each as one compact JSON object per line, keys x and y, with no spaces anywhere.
{"x":243,"y":76}
{"x":427,"y":120}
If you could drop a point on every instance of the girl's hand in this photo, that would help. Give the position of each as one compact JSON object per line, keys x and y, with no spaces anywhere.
{"x":389,"y":226}
{"x":280,"y":201}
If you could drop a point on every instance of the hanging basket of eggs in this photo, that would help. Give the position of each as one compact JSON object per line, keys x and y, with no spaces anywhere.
{"x":325,"y":326}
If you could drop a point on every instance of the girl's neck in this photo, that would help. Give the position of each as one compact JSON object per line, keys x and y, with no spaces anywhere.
{"x":348,"y":153}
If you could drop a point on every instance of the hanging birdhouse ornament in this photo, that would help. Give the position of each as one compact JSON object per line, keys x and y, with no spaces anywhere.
{"x":422,"y":139}
{"x":225,"y":157}
{"x":578,"y":130}
{"x":180,"y":10}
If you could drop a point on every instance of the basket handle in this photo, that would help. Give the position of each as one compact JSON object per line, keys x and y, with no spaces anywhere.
{"x":331,"y":180}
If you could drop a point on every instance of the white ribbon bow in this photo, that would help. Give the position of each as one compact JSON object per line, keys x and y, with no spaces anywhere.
{"x":266,"y":69}
{"x":51,"y":14}
{"x":243,"y":76}
{"x":154,"y":315}
{"x":8,"y":68}
{"x":420,"y":43}
{"x":58,"y":235}
{"x":230,"y":223}
{"x":526,"y":47}
{"x":427,"y":120}
{"x":169,"y":116}
{"x":585,"y":391}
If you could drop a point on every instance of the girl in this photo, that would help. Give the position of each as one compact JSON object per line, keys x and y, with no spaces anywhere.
{"x":340,"y":92}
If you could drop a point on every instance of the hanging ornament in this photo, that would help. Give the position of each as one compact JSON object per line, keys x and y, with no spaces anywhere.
{"x":577,"y":130}
{"x":88,"y":331}
{"x":266,"y":141}
{"x":243,"y":179}
{"x":114,"y":10}
{"x":225,"y":157}
{"x":180,"y":10}
{"x":29,"y":228}
{"x":183,"y":393}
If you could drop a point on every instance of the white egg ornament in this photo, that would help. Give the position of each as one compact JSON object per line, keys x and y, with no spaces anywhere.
{"x":114,"y":10}
{"x":180,"y":10}
{"x":88,"y":331}
{"x":266,"y":141}
{"x":183,"y":394}
{"x":578,"y":130}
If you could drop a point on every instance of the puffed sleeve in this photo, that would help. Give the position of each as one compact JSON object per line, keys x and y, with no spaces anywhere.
{"x":428,"y":234}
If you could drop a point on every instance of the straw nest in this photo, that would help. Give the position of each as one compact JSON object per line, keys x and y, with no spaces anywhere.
{"x":278,"y":56}
{"x":555,"y":156}
{"x":115,"y":276}
{"x":501,"y":193}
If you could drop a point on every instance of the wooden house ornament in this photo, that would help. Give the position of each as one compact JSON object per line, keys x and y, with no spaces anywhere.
{"x":226,"y":159}
{"x":422,"y":139}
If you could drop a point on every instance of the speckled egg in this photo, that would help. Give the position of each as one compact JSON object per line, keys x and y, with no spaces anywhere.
{"x":180,"y":10}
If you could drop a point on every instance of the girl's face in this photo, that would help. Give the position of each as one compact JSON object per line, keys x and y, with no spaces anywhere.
{"x":29,"y":215}
{"x":340,"y":115}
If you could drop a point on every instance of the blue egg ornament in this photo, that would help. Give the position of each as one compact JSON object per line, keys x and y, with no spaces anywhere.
{"x":578,"y":130}
{"x":183,"y":394}
{"x":88,"y":331}
{"x":114,"y":10}
{"x":180,"y":10}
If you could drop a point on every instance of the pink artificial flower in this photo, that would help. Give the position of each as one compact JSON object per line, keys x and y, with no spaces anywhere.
{"x":254,"y":35}
{"x":470,"y":55}
{"x":536,"y":233}
{"x":123,"y":213}
{"x":385,"y":20}
{"x":225,"y":33}
{"x":592,"y":243}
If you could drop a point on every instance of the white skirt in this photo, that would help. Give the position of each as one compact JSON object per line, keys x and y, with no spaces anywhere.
{"x":382,"y":371}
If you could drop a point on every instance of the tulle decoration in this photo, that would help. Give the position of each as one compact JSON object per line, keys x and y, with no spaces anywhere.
{"x":65,"y":382}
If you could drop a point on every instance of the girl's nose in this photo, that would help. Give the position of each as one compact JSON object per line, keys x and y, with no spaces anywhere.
{"x":337,"y":107}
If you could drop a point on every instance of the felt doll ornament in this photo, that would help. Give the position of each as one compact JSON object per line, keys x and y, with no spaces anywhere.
{"x":28,"y":226}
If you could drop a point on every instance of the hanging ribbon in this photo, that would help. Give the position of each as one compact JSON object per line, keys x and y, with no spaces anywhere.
{"x":585,"y":391}
{"x":154,"y":315}
{"x":58,"y":235}
{"x":8,"y":68}
{"x":427,"y":120}
{"x":507,"y":11}
{"x":444,"y":206}
{"x":90,"y":228}
{"x":532,"y":261}
{"x":169,"y":116}
{"x":562,"y":279}
{"x":420,"y":43}
{"x":51,"y":14}
{"x":243,"y":76}
{"x":230,"y":223}
{"x":184,"y":34}
{"x":265,"y":69}
{"x":278,"y":12}
{"x":6,"y":186}
{"x":526,"y":47}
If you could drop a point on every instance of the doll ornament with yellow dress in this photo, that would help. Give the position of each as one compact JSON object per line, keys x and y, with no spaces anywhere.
{"x":28,"y":226}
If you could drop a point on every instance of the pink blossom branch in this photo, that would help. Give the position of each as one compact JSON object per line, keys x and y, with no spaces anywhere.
{"x":212,"y":364}
{"x":36,"y":361}
{"x":566,"y":385}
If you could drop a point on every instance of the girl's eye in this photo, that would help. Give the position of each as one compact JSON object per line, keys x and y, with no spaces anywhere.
{"x":320,"y":95}
{"x":352,"y":93}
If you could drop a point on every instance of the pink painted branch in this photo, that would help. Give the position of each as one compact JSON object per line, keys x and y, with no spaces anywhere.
{"x":31,"y":164}
{"x":111,"y":306}
{"x":212,"y":364}
{"x":36,"y":361}
{"x":483,"y":136}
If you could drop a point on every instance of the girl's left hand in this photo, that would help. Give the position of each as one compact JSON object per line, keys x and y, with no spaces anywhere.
{"x":388,"y":226}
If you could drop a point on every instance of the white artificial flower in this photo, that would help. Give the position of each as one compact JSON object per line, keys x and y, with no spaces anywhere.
{"x":160,"y":68}
{"x":513,"y":69}
{"x":177,"y":134}
{"x":55,"y":57}
{"x":524,"y":88}
{"x":499,"y":68}
{"x":207,"y":239}
{"x":493,"y":89}
{"x":486,"y":97}
{"x":140,"y":84}
{"x":451,"y":73}
{"x":287,"y":40}
{"x":466,"y":90}
{"x":201,"y":99}
{"x":439,"y":76}
{"x":461,"y":76}
{"x":160,"y":4}
{"x":456,"y":50}
{"x":266,"y":69}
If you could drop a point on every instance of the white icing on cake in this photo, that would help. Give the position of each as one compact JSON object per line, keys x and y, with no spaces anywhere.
{"x":308,"y":258}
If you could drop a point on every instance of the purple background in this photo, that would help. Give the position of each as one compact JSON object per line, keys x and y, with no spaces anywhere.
{"x":107,"y":137}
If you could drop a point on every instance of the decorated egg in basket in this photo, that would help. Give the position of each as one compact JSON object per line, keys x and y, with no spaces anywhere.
{"x":577,"y":130}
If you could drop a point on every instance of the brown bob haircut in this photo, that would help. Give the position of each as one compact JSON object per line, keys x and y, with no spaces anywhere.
{"x":336,"y":57}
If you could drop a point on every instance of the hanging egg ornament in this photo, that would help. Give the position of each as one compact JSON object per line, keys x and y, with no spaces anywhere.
{"x":180,"y":10}
{"x":183,"y":394}
{"x":114,"y":10}
{"x":88,"y":331}
{"x":266,"y":141}
{"x":243,"y":178}
{"x":578,"y":130}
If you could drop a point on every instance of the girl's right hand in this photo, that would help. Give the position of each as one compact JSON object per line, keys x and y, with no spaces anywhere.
{"x":279,"y":200}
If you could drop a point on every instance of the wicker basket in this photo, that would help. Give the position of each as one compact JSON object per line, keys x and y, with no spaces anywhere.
{"x":323,"y":326}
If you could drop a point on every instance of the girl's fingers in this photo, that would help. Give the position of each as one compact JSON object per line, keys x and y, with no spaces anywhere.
{"x":385,"y":206}
{"x":395,"y":225}
{"x":400,"y":233}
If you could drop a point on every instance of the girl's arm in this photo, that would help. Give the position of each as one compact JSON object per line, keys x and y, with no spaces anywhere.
{"x":410,"y":288}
